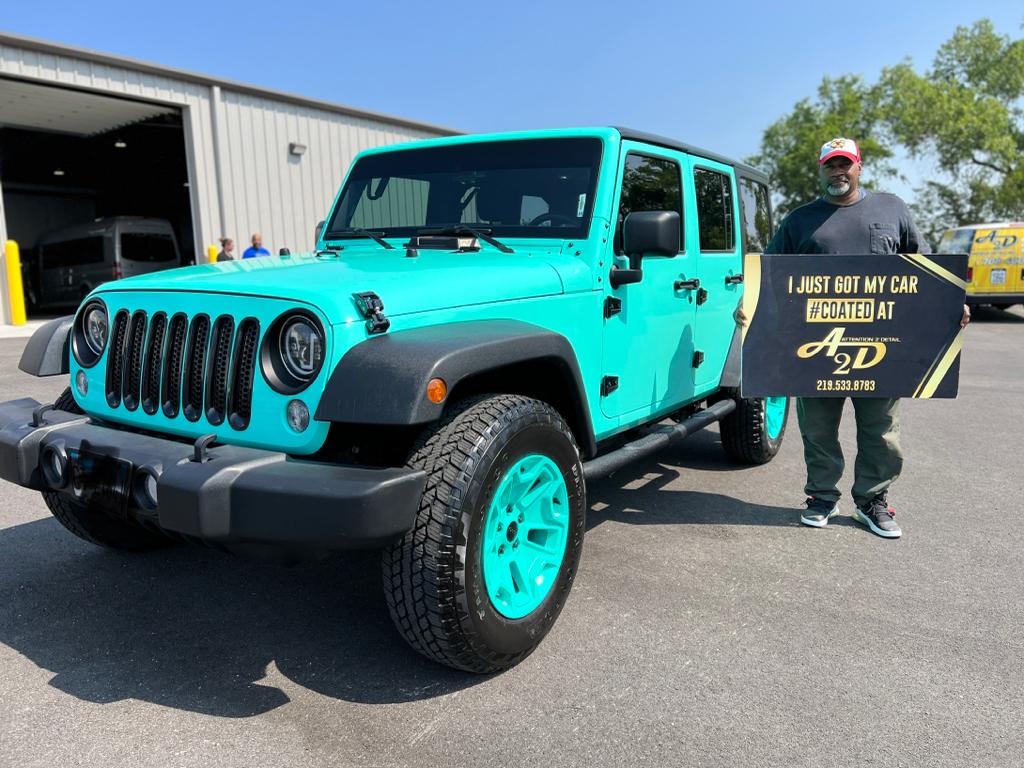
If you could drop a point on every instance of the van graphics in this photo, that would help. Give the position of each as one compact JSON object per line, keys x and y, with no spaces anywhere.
{"x":871,"y":326}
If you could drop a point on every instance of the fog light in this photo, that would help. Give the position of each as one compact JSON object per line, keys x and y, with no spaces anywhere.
{"x":54,"y":463}
{"x":298,"y":415}
{"x":82,"y":383}
{"x":146,"y":487}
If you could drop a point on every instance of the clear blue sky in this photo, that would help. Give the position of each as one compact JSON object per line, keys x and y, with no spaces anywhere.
{"x":714,"y":74}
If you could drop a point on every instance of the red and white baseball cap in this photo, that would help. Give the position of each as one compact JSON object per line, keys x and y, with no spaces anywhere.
{"x":839,"y":147}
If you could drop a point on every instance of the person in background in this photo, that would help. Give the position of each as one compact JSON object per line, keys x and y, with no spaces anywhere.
{"x":257,"y":248}
{"x":227,"y":250}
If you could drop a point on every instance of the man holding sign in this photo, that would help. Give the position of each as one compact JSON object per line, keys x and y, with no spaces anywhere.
{"x":848,"y":219}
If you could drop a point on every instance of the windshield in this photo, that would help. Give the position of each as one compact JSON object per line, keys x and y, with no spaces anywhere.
{"x":530,"y":188}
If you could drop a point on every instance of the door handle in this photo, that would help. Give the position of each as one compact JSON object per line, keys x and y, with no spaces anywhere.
{"x":686,"y":285}
{"x":733,"y":279}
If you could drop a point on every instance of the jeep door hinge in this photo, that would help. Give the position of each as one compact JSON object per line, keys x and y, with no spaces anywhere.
{"x":371,"y":307}
{"x":608,"y":385}
{"x":702,"y":296}
{"x":612,"y":306}
{"x":698,"y":359}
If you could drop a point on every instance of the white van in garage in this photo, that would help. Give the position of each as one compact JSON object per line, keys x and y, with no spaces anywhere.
{"x":74,"y":260}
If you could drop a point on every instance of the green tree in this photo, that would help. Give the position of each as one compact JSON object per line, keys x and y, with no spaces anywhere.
{"x":965,"y":115}
{"x":845,"y":106}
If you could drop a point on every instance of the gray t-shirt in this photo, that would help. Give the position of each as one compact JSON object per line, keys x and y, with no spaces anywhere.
{"x":878,"y":223}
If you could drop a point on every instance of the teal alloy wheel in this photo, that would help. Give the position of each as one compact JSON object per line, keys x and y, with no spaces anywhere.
{"x":775,"y":415}
{"x":524,"y":536}
{"x":461,"y":590}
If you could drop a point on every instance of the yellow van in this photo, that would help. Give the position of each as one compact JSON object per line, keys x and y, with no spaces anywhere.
{"x":995,"y":268}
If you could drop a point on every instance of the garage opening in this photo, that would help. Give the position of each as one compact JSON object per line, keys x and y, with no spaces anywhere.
{"x":94,"y":188}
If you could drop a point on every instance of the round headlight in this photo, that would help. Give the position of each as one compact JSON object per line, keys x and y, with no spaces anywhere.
{"x":90,"y":333}
{"x":302,"y":348}
{"x":293,"y":351}
{"x":96,"y":329}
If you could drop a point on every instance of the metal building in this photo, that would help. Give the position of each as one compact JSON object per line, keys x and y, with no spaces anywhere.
{"x":86,"y":135}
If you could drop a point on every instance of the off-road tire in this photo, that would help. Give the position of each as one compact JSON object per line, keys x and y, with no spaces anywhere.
{"x":433,"y":577}
{"x":100,"y":528}
{"x":66,"y":402}
{"x":745,"y":432}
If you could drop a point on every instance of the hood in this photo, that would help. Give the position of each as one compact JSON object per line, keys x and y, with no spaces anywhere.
{"x":432,"y":280}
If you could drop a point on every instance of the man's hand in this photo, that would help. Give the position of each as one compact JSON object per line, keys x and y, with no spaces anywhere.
{"x":740,"y":317}
{"x":966,"y":317}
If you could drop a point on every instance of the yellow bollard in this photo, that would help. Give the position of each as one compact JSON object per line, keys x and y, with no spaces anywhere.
{"x":211,"y":253}
{"x":15,"y":289}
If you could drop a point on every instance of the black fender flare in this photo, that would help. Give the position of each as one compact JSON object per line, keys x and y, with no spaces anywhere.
{"x":383,"y":380}
{"x":46,"y":353}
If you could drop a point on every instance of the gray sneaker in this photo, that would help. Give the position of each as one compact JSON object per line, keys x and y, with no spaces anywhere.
{"x":878,"y":517}
{"x":818,"y":512}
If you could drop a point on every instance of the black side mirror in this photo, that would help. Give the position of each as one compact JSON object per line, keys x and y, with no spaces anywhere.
{"x":646,"y":233}
{"x":284,"y":252}
{"x":319,"y":229}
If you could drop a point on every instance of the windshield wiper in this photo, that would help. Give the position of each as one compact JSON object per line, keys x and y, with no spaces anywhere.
{"x":463,"y":229}
{"x":359,"y":231}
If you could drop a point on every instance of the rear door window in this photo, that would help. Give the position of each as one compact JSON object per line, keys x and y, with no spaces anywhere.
{"x":73,"y":253}
{"x":145,"y":246}
{"x":757,"y":216}
{"x":714,"y":211}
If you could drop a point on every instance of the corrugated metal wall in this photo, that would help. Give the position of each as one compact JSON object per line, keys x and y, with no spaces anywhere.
{"x":278,"y":194}
{"x":265,"y":188}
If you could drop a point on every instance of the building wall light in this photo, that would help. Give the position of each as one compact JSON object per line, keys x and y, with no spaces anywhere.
{"x":294,"y":148}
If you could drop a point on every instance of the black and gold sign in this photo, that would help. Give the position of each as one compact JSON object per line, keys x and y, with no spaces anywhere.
{"x":863,"y":326}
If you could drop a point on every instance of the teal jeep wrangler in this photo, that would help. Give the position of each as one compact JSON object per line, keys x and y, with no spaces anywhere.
{"x":488,"y":322}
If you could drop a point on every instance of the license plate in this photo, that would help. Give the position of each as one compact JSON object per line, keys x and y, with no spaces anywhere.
{"x":102,"y":479}
{"x":997,"y":277}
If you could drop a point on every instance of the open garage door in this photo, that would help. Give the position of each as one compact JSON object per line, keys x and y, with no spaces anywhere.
{"x":87,"y":179}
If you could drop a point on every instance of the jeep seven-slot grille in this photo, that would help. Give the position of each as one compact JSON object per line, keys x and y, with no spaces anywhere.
{"x":154,"y":354}
{"x":195,"y":363}
{"x":240,"y":400}
{"x":217,"y":379}
{"x":190,"y":366}
{"x":115,"y":359}
{"x":133,"y":361}
{"x":171,"y":400}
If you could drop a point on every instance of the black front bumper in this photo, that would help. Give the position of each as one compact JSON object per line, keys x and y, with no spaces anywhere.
{"x":237,"y":497}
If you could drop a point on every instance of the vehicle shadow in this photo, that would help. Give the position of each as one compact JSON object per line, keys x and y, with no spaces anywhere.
{"x":639,"y":494}
{"x":202,"y":631}
{"x":991,"y":315}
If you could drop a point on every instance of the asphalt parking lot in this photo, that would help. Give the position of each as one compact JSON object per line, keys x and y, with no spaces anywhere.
{"x":706,"y":626}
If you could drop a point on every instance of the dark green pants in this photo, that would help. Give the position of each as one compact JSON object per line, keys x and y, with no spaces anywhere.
{"x":879,"y":458}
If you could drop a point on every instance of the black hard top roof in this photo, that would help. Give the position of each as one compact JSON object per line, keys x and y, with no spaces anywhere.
{"x":661,"y":141}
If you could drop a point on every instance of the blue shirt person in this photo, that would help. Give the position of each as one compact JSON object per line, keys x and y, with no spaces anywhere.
{"x":257,"y":248}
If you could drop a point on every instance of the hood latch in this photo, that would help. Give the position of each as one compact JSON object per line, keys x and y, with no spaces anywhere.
{"x":371,"y":307}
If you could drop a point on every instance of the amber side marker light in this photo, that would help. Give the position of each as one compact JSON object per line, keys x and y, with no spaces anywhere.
{"x":437,"y":390}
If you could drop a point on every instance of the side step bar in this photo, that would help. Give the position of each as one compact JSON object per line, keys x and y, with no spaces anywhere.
{"x":657,"y":438}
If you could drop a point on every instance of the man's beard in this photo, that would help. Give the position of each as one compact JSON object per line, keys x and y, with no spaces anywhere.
{"x":837,"y":190}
